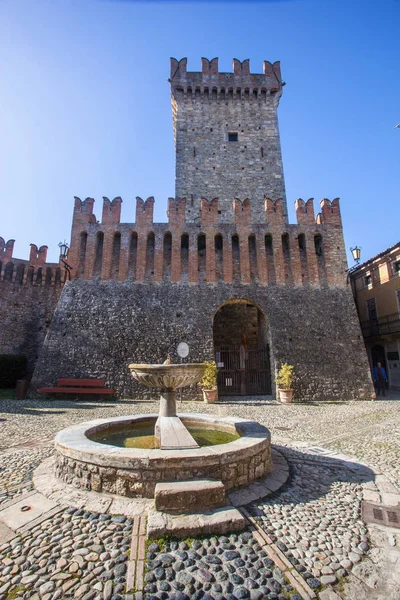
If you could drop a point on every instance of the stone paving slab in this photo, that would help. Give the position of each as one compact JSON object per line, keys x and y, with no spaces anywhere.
{"x":329,"y":594}
{"x":44,"y":517}
{"x":390,"y":499}
{"x":14,"y":517}
{"x":6,"y":534}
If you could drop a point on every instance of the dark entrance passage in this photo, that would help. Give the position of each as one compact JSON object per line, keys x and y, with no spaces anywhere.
{"x":241,"y":350}
{"x":378,"y":355}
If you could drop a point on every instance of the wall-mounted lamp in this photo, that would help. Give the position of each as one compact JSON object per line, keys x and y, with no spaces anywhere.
{"x":356,"y":252}
{"x":64,"y":249}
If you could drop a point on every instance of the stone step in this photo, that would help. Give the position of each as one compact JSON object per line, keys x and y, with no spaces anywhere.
{"x":189,"y":496}
{"x":220,"y":521}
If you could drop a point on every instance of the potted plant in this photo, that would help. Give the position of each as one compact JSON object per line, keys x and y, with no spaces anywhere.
{"x":209,"y":382}
{"x":284,"y":381}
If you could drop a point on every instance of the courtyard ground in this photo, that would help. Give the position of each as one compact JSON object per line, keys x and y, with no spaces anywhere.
{"x":310,"y":529}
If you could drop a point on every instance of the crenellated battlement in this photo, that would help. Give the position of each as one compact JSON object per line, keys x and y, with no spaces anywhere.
{"x":37,"y":256}
{"x":209,"y":212}
{"x":270,"y":251}
{"x":176,"y":212}
{"x":330,"y":213}
{"x":83,"y":207}
{"x":6,"y":249}
{"x":111,"y":210}
{"x":34,"y":271}
{"x":305,"y":211}
{"x":274,"y":211}
{"x":144,"y":212}
{"x":242,"y":212}
{"x":210,"y":84}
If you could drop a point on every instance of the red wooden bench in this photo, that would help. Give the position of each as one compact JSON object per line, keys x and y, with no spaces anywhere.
{"x":79,"y":386}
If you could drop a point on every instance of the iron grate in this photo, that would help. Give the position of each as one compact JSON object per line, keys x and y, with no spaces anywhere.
{"x":382,"y":515}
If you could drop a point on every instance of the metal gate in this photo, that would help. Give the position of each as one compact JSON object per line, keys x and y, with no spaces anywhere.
{"x":243,"y":371}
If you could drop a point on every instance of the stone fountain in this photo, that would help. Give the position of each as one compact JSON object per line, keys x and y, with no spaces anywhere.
{"x":170,"y":432}
{"x":194,"y":487}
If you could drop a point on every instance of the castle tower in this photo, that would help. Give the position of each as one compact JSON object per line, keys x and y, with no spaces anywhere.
{"x":227,"y":137}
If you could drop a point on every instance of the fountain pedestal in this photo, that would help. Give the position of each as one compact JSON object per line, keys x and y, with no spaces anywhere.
{"x":167,"y":404}
{"x":169,"y":431}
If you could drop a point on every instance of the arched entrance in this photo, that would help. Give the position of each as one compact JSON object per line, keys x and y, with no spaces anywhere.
{"x":378,"y":355}
{"x":241,"y":349}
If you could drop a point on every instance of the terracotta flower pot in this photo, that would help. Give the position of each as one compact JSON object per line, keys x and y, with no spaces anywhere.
{"x":286,"y":396}
{"x":210,"y":396}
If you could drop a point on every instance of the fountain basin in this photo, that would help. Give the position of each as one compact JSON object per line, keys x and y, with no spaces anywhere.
{"x":134,"y":472}
{"x":168,"y":378}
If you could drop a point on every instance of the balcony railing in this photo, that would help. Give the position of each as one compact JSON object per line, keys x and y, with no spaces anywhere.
{"x":381,"y":326}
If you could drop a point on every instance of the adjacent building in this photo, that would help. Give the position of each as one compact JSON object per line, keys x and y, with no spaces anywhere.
{"x":376,"y":289}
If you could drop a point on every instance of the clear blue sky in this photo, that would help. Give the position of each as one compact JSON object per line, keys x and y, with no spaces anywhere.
{"x":85,"y":104}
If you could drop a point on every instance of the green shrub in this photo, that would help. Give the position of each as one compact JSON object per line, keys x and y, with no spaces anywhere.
{"x":285,"y":376}
{"x":209,"y":381}
{"x":12,"y":367}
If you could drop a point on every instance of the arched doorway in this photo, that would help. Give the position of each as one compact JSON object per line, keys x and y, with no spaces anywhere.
{"x":240,"y":334}
{"x":378,"y":355}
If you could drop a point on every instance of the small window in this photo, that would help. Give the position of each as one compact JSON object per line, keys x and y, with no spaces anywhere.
{"x":368,"y":281}
{"x":232,"y":137}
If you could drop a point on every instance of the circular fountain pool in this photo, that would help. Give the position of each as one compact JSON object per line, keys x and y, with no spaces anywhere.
{"x":141,"y":435}
{"x":88,"y":458}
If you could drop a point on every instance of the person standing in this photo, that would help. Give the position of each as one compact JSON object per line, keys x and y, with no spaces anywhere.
{"x":380,"y":379}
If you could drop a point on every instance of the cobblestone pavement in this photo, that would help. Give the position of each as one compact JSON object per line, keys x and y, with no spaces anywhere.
{"x":220,"y":567}
{"x":315,"y":520}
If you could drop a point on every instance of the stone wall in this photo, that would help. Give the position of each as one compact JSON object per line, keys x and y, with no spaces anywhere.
{"x":26,"y":313}
{"x":99,"y":327}
{"x":235,"y":324}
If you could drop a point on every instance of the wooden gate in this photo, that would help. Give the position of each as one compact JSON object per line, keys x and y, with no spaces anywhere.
{"x":243,"y":371}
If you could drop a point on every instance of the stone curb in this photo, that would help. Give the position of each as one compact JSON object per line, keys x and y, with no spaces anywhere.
{"x":47,"y":484}
{"x":135,"y":567}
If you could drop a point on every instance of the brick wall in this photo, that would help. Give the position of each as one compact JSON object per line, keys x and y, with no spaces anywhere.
{"x":267,"y":252}
{"x":29,"y":292}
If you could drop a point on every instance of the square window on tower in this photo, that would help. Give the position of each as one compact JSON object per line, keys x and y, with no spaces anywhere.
{"x":232,"y":137}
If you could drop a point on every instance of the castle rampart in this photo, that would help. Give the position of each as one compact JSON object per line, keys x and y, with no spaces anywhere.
{"x":211,"y":251}
{"x":29,"y":292}
{"x":34,"y":271}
